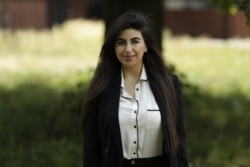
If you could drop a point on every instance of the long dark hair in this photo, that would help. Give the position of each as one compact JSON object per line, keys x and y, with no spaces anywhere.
{"x":158,"y":75}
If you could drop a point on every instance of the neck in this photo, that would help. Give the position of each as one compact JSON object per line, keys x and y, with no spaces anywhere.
{"x":129,"y":72}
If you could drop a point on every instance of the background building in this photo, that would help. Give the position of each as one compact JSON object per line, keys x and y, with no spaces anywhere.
{"x":198,"y":17}
{"x":193,"y":17}
{"x":39,"y":14}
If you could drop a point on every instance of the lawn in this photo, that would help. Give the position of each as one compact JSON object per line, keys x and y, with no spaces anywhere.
{"x":44,"y":75}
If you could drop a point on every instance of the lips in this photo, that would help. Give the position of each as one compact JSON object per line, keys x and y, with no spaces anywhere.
{"x":129,"y":57}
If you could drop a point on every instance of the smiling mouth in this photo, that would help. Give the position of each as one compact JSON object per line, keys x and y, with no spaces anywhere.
{"x":128,"y":57}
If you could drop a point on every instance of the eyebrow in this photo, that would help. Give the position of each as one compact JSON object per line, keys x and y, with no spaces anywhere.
{"x":134,"y":38}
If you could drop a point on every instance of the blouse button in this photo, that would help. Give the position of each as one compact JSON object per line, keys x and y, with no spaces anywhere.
{"x":135,"y":126}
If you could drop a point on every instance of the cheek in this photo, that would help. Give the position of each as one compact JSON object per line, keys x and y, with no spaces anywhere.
{"x":118,"y":51}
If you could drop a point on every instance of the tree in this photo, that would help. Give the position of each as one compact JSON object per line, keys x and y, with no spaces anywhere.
{"x":114,"y":8}
{"x":57,"y":10}
{"x":4,"y":18}
{"x":233,"y":6}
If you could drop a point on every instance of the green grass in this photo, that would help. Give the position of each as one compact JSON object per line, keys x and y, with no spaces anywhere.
{"x":44,"y":75}
{"x":215,"y":65}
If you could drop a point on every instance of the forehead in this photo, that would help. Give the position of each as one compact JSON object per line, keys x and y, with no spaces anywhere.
{"x":129,"y":33}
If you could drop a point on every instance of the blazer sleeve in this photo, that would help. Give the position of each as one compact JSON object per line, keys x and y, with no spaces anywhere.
{"x":181,"y":151}
{"x":91,"y":142}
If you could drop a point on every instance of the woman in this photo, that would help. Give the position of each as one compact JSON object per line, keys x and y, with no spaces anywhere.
{"x":132,"y":115}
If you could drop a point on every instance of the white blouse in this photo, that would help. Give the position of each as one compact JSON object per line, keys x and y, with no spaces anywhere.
{"x":140,"y":121}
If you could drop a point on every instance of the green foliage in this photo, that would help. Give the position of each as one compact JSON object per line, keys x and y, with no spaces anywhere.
{"x":224,"y":4}
{"x":232,"y":6}
{"x":217,"y":129}
{"x":40,"y":125}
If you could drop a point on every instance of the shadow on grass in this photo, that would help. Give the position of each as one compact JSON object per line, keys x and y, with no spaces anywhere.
{"x":217,"y":128}
{"x":41,"y":126}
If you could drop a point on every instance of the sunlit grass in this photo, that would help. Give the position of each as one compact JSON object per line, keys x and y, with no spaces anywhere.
{"x":60,"y":54}
{"x":73,"y":37}
{"x":214,"y":64}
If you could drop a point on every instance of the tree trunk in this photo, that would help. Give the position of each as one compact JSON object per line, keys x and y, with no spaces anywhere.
{"x":154,"y":8}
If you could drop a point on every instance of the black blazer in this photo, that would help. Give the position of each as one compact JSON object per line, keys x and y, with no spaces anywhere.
{"x":102,"y":138}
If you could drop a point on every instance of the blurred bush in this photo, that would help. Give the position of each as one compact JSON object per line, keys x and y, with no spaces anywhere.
{"x":40,"y":126}
{"x":217,"y":128}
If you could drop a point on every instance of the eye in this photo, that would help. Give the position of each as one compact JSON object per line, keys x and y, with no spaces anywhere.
{"x":120,"y":42}
{"x":135,"y":41}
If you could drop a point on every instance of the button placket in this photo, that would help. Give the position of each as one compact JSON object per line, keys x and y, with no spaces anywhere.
{"x":137,"y":91}
{"x":134,"y":130}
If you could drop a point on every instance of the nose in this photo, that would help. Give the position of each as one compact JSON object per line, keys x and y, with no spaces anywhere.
{"x":128,"y":48}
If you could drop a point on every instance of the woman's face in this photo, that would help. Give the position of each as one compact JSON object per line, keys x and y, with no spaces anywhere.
{"x":130,"y":48}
